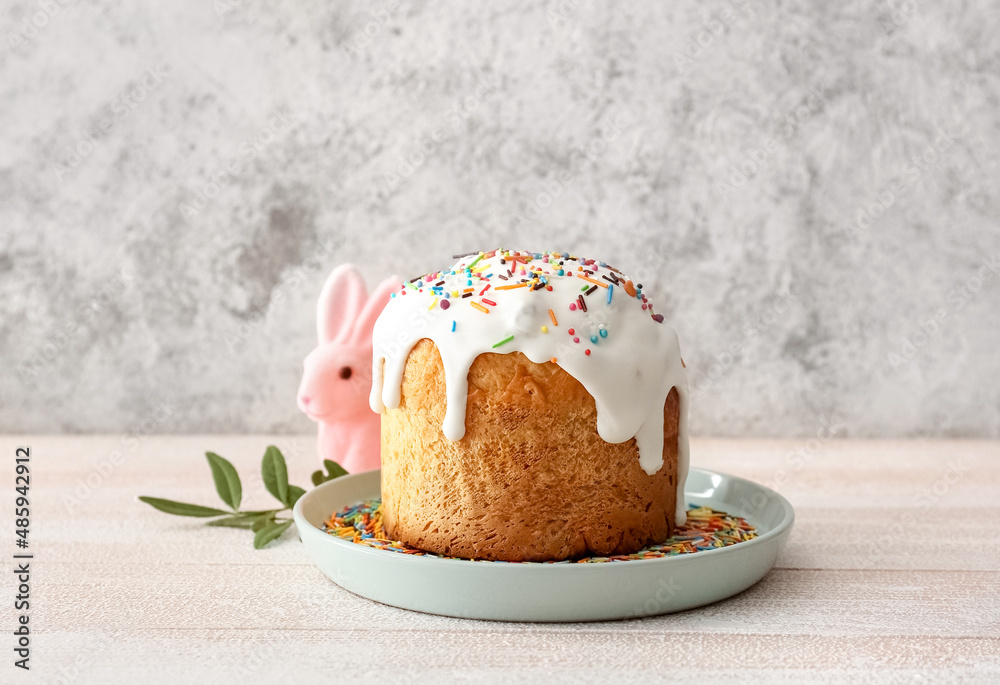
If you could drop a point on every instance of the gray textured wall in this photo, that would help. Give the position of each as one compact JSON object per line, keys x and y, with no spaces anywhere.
{"x":804,"y":186}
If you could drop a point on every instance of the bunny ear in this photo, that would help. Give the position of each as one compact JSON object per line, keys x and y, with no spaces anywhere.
{"x":340,"y":302}
{"x":362,"y":331}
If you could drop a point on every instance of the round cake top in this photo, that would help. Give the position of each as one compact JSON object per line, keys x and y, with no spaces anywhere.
{"x":582,"y":314}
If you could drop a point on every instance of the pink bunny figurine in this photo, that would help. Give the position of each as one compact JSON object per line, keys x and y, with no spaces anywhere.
{"x":337,"y":377}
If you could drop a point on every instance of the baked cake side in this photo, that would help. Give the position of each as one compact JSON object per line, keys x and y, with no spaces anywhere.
{"x":531,"y":480}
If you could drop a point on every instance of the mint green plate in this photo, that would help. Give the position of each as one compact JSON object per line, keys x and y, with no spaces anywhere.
{"x":551,"y":592}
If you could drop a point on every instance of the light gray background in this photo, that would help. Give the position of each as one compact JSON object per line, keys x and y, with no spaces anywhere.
{"x":121,"y":309}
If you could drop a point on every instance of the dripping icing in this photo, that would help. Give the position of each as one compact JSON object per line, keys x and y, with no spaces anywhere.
{"x":632,"y":366}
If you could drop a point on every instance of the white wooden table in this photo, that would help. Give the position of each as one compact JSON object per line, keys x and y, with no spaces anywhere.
{"x":121,"y":593}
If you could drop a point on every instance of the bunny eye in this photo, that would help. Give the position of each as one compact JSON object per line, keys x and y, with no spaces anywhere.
{"x":345,"y":372}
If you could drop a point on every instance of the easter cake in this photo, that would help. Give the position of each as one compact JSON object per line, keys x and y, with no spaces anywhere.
{"x":534,"y":408}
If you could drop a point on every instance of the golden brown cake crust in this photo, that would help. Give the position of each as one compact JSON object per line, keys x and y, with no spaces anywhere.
{"x":531,"y":480}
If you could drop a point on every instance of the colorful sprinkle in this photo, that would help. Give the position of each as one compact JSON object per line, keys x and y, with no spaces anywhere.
{"x":706,"y":529}
{"x":453,"y":325}
{"x":535,"y":271}
{"x":503,"y":342}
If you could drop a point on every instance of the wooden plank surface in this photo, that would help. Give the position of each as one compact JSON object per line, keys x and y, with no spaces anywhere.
{"x":892,"y":574}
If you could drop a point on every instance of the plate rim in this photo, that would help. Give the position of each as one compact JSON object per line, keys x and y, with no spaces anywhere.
{"x":782,"y":528}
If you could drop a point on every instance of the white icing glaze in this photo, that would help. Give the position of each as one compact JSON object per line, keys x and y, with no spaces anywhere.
{"x":629,"y":372}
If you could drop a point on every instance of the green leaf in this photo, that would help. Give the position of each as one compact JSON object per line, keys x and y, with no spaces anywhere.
{"x":262,"y":520}
{"x":180,"y":508}
{"x":243,"y":519}
{"x":270,"y":532}
{"x":334,"y":469}
{"x":275,"y":473}
{"x":233,"y":522}
{"x":227,"y":481}
{"x":294,"y":492}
